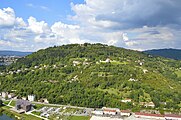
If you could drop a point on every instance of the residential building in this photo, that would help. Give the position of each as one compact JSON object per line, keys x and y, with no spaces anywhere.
{"x":149,"y":116}
{"x":111,"y":111}
{"x":98,"y":112}
{"x":126,"y":100}
{"x":125,"y":113}
{"x":11,"y":95}
{"x":150,"y":104}
{"x":31,"y":98}
{"x":4,"y":94}
{"x":172,"y":117}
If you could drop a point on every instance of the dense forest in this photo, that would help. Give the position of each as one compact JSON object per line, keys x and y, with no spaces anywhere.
{"x":95,"y":75}
{"x":168,"y":53}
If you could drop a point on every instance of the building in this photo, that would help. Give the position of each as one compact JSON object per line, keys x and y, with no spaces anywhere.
{"x":98,"y":112}
{"x":126,"y":100}
{"x":108,"y":60}
{"x":172,"y":117}
{"x":31,"y":98}
{"x":44,"y":100}
{"x":111,"y":111}
{"x":4,"y":94}
{"x":24,"y":98}
{"x":125,"y":113}
{"x":23,"y":104}
{"x":11,"y":95}
{"x":149,"y":116}
{"x":150,"y":104}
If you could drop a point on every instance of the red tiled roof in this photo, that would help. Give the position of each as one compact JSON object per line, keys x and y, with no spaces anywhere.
{"x":147,"y":114}
{"x":107,"y":110}
{"x":172,"y":115}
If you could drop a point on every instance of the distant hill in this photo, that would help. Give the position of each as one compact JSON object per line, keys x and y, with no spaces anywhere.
{"x":168,"y":53}
{"x":13,"y":53}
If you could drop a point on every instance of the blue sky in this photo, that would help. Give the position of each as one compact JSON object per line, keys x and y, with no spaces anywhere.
{"x":30,"y":25}
{"x":50,"y":12}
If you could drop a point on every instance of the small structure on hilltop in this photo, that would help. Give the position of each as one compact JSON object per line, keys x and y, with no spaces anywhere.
{"x":108,"y":60}
{"x":23,"y":104}
{"x":126,"y":100}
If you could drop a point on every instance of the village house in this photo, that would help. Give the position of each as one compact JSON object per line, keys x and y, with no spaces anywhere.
{"x":31,"y":98}
{"x":126,"y":100}
{"x":4,"y":94}
{"x":108,"y":60}
{"x":150,"y":104}
{"x":172,"y":117}
{"x":98,"y":112}
{"x":149,"y":116}
{"x":125,"y":113}
{"x":23,"y":104}
{"x":43,"y":100}
{"x":24,"y":98}
{"x":111,"y":111}
{"x":75,"y":63}
{"x":11,"y":95}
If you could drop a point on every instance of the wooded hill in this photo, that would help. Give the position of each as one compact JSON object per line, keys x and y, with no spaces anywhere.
{"x":95,"y":75}
{"x":168,"y":53}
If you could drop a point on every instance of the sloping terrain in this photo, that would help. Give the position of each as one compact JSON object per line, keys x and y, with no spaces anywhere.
{"x":95,"y":75}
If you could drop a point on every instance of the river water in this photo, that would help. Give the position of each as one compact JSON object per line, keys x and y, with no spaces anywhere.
{"x":5,"y":117}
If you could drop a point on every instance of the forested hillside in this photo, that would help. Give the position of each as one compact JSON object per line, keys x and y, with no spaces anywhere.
{"x":168,"y":53}
{"x":95,"y":75}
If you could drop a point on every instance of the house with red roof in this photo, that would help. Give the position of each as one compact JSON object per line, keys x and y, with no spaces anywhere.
{"x":172,"y":117}
{"x":125,"y":113}
{"x":149,"y":116}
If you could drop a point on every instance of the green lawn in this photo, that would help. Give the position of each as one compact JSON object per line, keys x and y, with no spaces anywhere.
{"x":13,"y":103}
{"x":5,"y":102}
{"x":22,"y":116}
{"x":79,"y":118}
{"x":178,"y":72}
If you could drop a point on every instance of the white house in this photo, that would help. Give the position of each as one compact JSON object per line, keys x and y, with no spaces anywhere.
{"x":98,"y":112}
{"x":31,"y":98}
{"x":172,"y":117}
{"x":11,"y":95}
{"x":108,"y":60}
{"x":150,"y":104}
{"x":4,"y":94}
{"x":125,"y":113}
{"x":110,"y":111}
{"x":126,"y":100}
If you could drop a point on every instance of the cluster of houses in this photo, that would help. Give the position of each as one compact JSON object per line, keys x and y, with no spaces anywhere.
{"x":157,"y":116}
{"x":111,"y":112}
{"x":126,"y":113}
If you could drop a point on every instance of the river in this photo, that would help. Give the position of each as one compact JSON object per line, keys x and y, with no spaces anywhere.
{"x":5,"y":117}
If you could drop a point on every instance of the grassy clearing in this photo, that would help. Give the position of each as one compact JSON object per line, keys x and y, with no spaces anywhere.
{"x":178,"y":72}
{"x":79,"y":118}
{"x":13,"y":103}
{"x":21,"y":116}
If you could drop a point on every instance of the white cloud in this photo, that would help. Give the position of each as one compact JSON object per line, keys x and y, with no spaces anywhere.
{"x":37,"y":27}
{"x":131,"y":24}
{"x":7,"y":17}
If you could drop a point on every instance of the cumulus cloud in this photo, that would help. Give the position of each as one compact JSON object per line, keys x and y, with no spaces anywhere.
{"x":132,"y":24}
{"x":37,"y":27}
{"x":7,"y":17}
